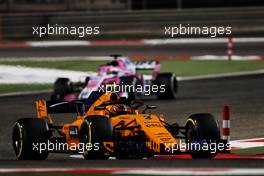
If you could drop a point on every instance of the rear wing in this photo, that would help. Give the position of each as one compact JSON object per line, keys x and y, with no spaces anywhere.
{"x":146,"y":65}
{"x":44,"y":107}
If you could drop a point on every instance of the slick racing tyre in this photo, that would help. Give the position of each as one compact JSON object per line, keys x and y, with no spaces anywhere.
{"x":28,"y":135}
{"x":202,"y":129}
{"x":169,"y":82}
{"x":93,"y":132}
{"x":62,"y":87}
{"x":131,"y":81}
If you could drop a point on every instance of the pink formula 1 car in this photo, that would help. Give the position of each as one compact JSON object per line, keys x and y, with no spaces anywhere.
{"x":122,"y":76}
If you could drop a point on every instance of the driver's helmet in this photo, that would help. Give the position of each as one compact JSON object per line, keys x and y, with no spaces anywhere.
{"x":118,"y":109}
{"x":114,"y":63}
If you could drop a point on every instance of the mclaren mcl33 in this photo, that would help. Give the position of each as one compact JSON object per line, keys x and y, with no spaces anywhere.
{"x":107,"y":125}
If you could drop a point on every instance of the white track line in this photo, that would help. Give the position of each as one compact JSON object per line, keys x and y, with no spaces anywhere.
{"x":247,"y":143}
{"x":144,"y":42}
{"x":59,"y":43}
{"x":234,"y":58}
{"x":28,"y":75}
{"x":200,"y":40}
{"x":244,"y":145}
{"x":56,"y":59}
{"x":221,"y":75}
{"x":249,"y":140}
{"x":25,"y":93}
{"x":142,"y":171}
{"x":201,"y":171}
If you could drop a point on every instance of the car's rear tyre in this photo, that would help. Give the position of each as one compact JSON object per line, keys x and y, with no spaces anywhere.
{"x":169,"y":82}
{"x":62,"y":87}
{"x":202,"y":129}
{"x":28,"y":133}
{"x":93,"y":132}
{"x":129,"y":81}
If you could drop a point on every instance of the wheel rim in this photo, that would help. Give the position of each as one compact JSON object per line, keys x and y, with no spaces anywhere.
{"x":87,"y":137}
{"x":18,"y":139}
{"x":192,"y":132}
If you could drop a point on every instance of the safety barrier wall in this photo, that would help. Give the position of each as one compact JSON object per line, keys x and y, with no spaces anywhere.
{"x":60,"y":5}
{"x":135,"y":24}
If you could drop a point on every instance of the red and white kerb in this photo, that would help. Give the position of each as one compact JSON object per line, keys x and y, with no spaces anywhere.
{"x":226,"y":124}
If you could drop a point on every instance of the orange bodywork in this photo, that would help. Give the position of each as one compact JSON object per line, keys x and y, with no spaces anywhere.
{"x":151,"y":124}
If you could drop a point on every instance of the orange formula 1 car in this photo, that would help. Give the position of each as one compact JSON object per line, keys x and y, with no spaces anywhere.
{"x":107,"y":125}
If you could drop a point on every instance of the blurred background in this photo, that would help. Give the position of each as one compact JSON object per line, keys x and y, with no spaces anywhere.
{"x":126,"y":19}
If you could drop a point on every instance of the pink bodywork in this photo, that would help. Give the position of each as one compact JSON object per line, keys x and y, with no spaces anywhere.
{"x":70,"y":97}
{"x":114,"y":79}
{"x":122,"y":68}
{"x":111,"y":73}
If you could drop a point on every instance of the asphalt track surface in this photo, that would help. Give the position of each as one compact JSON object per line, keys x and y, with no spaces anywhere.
{"x":253,"y":48}
{"x":244,"y":95}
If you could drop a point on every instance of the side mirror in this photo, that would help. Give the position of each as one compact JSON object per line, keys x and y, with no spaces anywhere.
{"x":99,"y":108}
{"x":149,"y":107}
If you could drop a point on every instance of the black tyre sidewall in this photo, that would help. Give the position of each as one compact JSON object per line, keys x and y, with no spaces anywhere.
{"x":34,"y":131}
{"x":132,"y":81}
{"x":170,"y":84}
{"x":207,"y":129}
{"x":101,"y":130}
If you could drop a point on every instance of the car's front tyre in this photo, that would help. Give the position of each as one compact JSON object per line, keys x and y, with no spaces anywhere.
{"x":202,"y":129}
{"x":93,"y":132}
{"x":169,"y":85}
